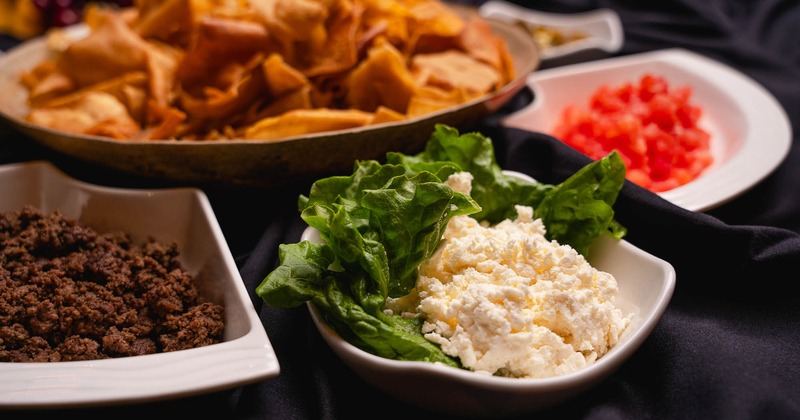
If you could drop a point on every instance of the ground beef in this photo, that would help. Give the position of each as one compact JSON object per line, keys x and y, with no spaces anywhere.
{"x":68,"y":292}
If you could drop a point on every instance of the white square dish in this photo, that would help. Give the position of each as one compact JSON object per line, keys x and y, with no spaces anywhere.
{"x":749,"y":129}
{"x":183,"y":216}
{"x":646,"y":284}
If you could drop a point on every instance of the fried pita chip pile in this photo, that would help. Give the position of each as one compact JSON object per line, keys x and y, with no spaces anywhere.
{"x":262,"y":69}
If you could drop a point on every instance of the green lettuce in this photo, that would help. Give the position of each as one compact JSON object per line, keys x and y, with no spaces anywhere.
{"x":379,"y":223}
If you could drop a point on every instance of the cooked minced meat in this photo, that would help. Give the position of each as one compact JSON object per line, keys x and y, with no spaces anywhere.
{"x":68,"y":292}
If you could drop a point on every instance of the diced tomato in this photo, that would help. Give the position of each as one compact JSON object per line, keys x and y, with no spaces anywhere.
{"x":650,"y":85}
{"x":639,"y":177}
{"x":662,"y":112}
{"x":654,"y":129}
{"x":625,"y":93}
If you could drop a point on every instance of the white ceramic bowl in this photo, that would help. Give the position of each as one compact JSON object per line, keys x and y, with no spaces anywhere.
{"x":750,"y":131}
{"x":184,"y":216}
{"x":645,"y":284}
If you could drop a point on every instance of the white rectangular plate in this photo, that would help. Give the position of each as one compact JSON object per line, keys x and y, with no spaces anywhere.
{"x":750,"y":132}
{"x":181,"y":215}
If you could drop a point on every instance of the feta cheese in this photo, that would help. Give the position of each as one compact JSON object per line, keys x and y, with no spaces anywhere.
{"x":506,"y":301}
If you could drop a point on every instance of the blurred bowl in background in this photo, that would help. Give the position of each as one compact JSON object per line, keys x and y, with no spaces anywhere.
{"x":563,"y":38}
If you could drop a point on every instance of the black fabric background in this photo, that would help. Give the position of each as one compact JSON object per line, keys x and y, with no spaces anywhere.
{"x":727,"y":345}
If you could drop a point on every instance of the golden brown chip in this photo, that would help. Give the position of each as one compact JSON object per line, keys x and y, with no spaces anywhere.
{"x":221,"y":44}
{"x":281,"y":78}
{"x":386,"y":115}
{"x":506,"y":59}
{"x":214,"y":103}
{"x":382,"y":79}
{"x":129,"y":89}
{"x":45,"y":81}
{"x":435,"y":17}
{"x":93,"y":13}
{"x":170,"y":21}
{"x":164,"y":122}
{"x":338,"y":52}
{"x":478,"y":41}
{"x":430,"y":99}
{"x":30,"y":78}
{"x":52,"y":85}
{"x":297,"y":99}
{"x":96,"y":113}
{"x":307,"y":121}
{"x":388,"y":18}
{"x":161,"y":64}
{"x":291,"y":22}
{"x":436,"y":28}
{"x":454,"y":69}
{"x":112,"y":49}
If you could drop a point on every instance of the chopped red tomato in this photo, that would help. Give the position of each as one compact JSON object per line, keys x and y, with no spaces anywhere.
{"x":654,"y":128}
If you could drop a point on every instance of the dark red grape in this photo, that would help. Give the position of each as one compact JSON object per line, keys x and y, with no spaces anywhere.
{"x":42,"y":5}
{"x":58,"y":13}
{"x":65,"y":17}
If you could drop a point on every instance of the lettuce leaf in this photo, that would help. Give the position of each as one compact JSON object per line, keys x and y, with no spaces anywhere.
{"x":308,"y":273}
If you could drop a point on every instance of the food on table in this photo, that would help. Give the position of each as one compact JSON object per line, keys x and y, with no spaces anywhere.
{"x":70,"y":293}
{"x":654,"y":128}
{"x":381,"y":225}
{"x":262,"y":70}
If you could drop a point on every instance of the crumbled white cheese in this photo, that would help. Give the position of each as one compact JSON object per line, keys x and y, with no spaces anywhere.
{"x":461,"y":182}
{"x":508,"y":302}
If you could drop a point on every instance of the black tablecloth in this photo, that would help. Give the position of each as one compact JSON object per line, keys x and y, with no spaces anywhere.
{"x":727,"y":346}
